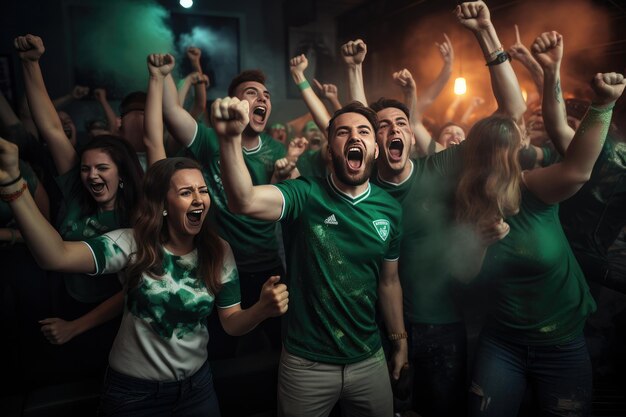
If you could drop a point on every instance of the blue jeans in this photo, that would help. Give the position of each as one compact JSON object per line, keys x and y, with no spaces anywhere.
{"x":438,"y":355}
{"x":559,"y":375}
{"x":124,"y":395}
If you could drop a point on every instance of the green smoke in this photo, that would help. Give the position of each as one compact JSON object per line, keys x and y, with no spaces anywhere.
{"x":111,"y":43}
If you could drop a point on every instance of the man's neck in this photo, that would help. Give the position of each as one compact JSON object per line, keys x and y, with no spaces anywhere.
{"x":351,"y":190}
{"x":394,"y":177}
{"x":250,"y":139}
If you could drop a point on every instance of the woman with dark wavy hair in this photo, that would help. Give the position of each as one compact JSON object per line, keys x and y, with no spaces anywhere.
{"x":175,"y":269}
{"x":540,"y":299}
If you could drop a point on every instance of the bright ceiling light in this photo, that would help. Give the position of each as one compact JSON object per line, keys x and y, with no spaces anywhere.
{"x":186,"y":3}
{"x":460,"y":86}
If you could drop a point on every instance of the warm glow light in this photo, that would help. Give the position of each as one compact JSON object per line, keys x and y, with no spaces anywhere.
{"x":460,"y":87}
{"x":186,"y":3}
{"x":525,"y":94}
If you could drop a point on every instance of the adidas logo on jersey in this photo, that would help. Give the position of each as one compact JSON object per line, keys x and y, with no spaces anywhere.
{"x":331,"y":220}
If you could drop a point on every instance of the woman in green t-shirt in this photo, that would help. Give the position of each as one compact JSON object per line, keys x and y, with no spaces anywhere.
{"x":540,"y":299}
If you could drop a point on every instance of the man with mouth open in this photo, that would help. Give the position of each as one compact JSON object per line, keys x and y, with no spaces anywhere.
{"x":253,"y":241}
{"x":342,"y":242}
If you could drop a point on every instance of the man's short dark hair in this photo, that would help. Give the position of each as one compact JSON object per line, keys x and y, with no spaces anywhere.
{"x":245,"y":76}
{"x":385,"y":103}
{"x":353,"y":107}
{"x":133,"y":101}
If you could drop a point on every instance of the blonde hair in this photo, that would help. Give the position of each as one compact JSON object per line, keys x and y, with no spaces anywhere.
{"x":490,"y":181}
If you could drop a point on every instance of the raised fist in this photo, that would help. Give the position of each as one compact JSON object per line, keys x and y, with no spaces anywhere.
{"x":548,"y":49}
{"x":193,"y":53}
{"x":283,"y":168}
{"x":353,"y":52}
{"x":229,"y":116}
{"x":328,"y":91}
{"x":29,"y":47}
{"x":404,"y":79}
{"x":100,"y":94}
{"x":79,"y":91}
{"x":274,"y":297}
{"x":296,"y":147}
{"x":608,"y":87}
{"x":159,"y":65}
{"x":446,"y":50}
{"x":298,"y":63}
{"x":474,"y":15}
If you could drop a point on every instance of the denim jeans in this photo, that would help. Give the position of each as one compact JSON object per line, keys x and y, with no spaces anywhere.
{"x":560,"y":378}
{"x":124,"y":395}
{"x":438,"y":355}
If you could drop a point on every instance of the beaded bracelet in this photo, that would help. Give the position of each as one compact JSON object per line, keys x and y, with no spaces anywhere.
{"x":397,"y":336}
{"x":7,"y":198}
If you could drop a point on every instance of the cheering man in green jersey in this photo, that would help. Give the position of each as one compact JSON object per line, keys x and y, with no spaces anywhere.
{"x":342,"y":239}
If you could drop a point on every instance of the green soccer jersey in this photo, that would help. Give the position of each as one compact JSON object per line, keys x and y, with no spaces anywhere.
{"x":426,"y":197}
{"x":75,"y":226}
{"x":163,"y":334}
{"x":538,"y":292}
{"x":335,"y":245}
{"x":253,"y":241}
{"x":312,"y":164}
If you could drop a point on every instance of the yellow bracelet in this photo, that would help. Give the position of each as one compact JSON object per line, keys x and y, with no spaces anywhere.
{"x":397,"y":336}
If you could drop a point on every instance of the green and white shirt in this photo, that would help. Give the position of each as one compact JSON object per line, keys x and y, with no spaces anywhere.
{"x":253,"y":241}
{"x":335,"y":246}
{"x":74,"y":226}
{"x":427,"y":197}
{"x":163,"y":334}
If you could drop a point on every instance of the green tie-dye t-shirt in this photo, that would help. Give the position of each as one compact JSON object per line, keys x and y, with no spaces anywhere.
{"x":163,"y":334}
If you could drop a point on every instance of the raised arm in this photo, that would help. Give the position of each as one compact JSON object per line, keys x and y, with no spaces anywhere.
{"x":229,"y":117}
{"x":548,"y":49}
{"x":330,"y":93}
{"x":200,"y":83}
{"x":159,"y":66}
{"x":297,"y":65}
{"x":474,"y":103}
{"x":390,"y":302}
{"x":100,"y":95}
{"x":475,"y":16}
{"x":562,"y":180}
{"x":519,"y":52}
{"x":426,"y":145}
{"x":353,"y":53}
{"x":59,"y":331}
{"x":428,"y":96}
{"x":44,"y":242}
{"x":178,"y":121}
{"x":77,"y":93}
{"x":30,"y":49}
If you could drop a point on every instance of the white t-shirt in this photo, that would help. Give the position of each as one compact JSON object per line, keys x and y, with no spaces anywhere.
{"x":163,"y":334}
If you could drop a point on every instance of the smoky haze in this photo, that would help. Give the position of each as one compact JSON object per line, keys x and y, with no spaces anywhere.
{"x":580,"y":22}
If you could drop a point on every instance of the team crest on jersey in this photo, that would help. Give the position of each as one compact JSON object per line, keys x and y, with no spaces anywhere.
{"x":382,"y":227}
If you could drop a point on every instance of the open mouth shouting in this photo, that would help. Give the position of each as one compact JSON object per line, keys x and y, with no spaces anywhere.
{"x":396,"y":149}
{"x":259,"y":114}
{"x":354,"y":157}
{"x":195,"y":217}
{"x":97,"y":188}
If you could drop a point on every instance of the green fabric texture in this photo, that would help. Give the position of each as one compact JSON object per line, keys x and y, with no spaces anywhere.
{"x":539,"y":293}
{"x":335,"y":246}
{"x":425,"y":198}
{"x":312,"y":164}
